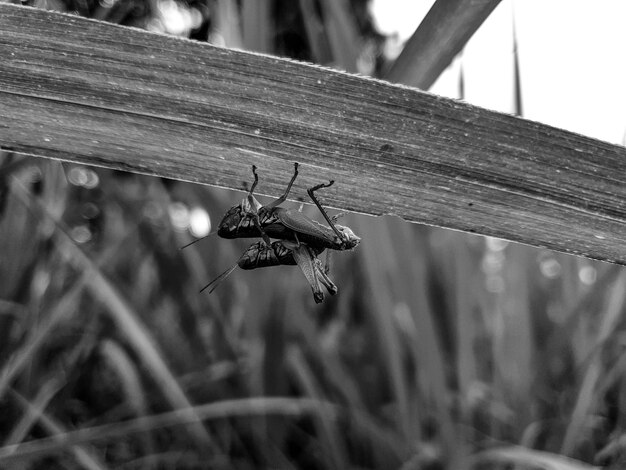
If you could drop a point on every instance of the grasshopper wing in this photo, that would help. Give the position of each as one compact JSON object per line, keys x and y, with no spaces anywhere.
{"x":307,"y":230}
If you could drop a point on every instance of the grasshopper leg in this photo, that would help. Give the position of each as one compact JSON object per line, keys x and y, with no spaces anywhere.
{"x":311,"y":192}
{"x":322,"y":275}
{"x":283,"y":198}
{"x":255,"y":214}
{"x":327,"y":263}
{"x":256,"y":180}
{"x":257,"y":223}
{"x":251,"y":200}
{"x":306,"y":261}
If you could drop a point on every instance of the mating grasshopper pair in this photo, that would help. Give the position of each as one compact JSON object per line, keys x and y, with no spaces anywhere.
{"x":299,"y":239}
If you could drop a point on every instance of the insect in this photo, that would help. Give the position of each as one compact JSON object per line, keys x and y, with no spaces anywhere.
{"x":260,"y":255}
{"x":299,"y":239}
{"x":251,"y":219}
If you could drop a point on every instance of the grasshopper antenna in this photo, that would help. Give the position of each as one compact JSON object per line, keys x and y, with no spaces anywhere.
{"x":218,"y":280}
{"x":312,"y":190}
{"x":197,"y":240}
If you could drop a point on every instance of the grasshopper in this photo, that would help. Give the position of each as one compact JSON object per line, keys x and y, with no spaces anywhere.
{"x":300,"y":239}
{"x":260,"y":255}
{"x":251,"y":219}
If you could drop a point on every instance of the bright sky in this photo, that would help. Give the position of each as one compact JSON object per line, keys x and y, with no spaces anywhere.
{"x":572,"y":66}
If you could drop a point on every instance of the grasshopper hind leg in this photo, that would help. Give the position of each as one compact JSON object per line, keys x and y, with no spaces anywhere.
{"x":322,"y":275}
{"x":306,"y":261}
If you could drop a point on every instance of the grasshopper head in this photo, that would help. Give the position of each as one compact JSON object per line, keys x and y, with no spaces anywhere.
{"x":232,"y":220}
{"x":350,"y":240}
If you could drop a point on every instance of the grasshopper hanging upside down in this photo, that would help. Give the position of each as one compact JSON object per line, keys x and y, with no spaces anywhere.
{"x":300,"y":239}
{"x":260,"y":255}
{"x":251,"y":219}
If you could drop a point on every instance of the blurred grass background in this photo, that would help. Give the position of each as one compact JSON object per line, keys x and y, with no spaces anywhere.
{"x":442,"y":350}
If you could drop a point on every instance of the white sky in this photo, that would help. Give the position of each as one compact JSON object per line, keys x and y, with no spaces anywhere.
{"x":572,"y":60}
